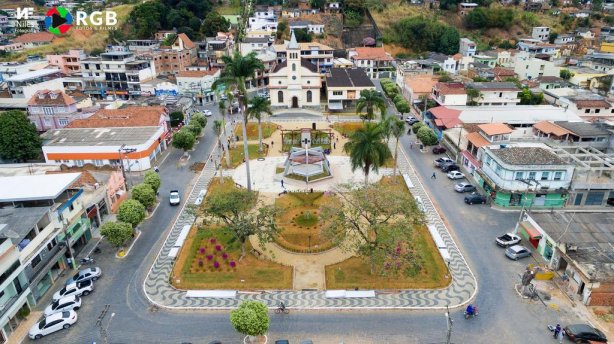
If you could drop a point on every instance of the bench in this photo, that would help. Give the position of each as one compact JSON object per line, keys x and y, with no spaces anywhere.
{"x":216,"y":294}
{"x":349,"y":294}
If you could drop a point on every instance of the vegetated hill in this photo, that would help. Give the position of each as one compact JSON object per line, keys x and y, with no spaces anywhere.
{"x":89,"y":40}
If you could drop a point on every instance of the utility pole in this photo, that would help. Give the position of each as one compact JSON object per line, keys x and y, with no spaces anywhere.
{"x":104,"y":330}
{"x":126,"y":151}
{"x":449,"y":320}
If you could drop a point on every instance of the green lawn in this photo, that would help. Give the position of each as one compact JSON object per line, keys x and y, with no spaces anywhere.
{"x":347,"y":128}
{"x":236,"y":154}
{"x":268,"y":129}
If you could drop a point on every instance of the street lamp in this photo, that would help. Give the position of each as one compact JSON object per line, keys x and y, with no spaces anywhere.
{"x":125,"y":150}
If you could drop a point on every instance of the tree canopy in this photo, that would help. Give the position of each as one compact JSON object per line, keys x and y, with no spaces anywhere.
{"x":250,"y":318}
{"x":18,"y":137}
{"x":184,"y":139}
{"x":145,"y":194}
{"x":367,"y":149}
{"x":184,"y":15}
{"x":427,"y":136}
{"x":370,"y":100}
{"x":176,"y":118}
{"x":302,"y":35}
{"x":425,"y":34}
{"x":529,"y":98}
{"x":565,"y":74}
{"x":131,"y":211}
{"x":116,"y":233}
{"x":213,"y":24}
{"x":257,"y":107}
{"x":153,"y":179}
{"x":489,"y":17}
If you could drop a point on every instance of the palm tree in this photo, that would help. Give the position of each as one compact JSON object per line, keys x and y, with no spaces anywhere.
{"x":218,"y":127}
{"x":258,"y":106}
{"x":370,"y":100}
{"x":367,"y":149}
{"x":397,"y":127}
{"x":222,"y":107}
{"x":237,"y":69}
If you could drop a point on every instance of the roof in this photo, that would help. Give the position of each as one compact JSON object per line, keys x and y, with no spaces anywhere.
{"x":16,"y":223}
{"x":303,"y":46}
{"x":36,"y":187}
{"x":133,"y":116}
{"x":348,"y":77}
{"x":549,"y":79}
{"x":592,"y":233}
{"x":592,"y":103}
{"x":255,"y":40}
{"x":196,"y":73}
{"x":98,"y":136}
{"x":450,"y":88}
{"x":369,"y":53}
{"x":503,"y":72}
{"x":61,"y":98}
{"x":293,"y":44}
{"x":420,"y":84}
{"x":514,"y":114}
{"x":495,"y":129}
{"x":35,"y":37}
{"x":304,"y":63}
{"x":583,"y":129}
{"x":300,"y":23}
{"x":550,"y":128}
{"x":527,"y":156}
{"x":477,"y":140}
{"x":445,"y":117}
{"x":187,"y":42}
{"x":32,"y":74}
{"x":494,"y":86}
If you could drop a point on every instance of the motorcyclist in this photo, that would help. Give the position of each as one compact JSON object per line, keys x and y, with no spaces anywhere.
{"x":470,"y":310}
{"x":282,"y":306}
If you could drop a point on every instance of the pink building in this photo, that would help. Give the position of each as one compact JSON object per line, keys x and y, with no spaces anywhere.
{"x":52,"y":109}
{"x":67,"y":63}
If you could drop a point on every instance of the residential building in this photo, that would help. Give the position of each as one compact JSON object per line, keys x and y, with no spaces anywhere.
{"x":416,"y":88}
{"x":176,"y":57}
{"x":552,"y":82}
{"x":25,"y":85}
{"x":465,"y":7}
{"x":296,"y":82}
{"x":524,"y":176}
{"x":198,"y":84}
{"x":34,"y":39}
{"x":576,"y":245}
{"x":449,"y":93}
{"x":486,"y":134}
{"x":467,"y":47}
{"x":537,"y":47}
{"x":263,"y":20}
{"x":316,"y":29}
{"x":343,"y":87}
{"x":490,"y":61}
{"x":164,"y":34}
{"x":573,"y":134}
{"x":8,"y":69}
{"x":589,"y":109}
{"x":67,"y":63}
{"x":160,"y":88}
{"x":503,"y":58}
{"x":496,"y":93}
{"x":250,"y":44}
{"x":410,"y":68}
{"x":601,"y":62}
{"x":262,"y":79}
{"x":315,"y":53}
{"x":213,"y":48}
{"x":11,"y":47}
{"x":530,"y":68}
{"x":52,"y":109}
{"x":541,"y":33}
{"x":585,"y":33}
{"x":375,"y":61}
{"x":448,"y":64}
{"x":502,"y":74}
{"x":564,"y":39}
{"x":143,"y":45}
{"x":43,"y":226}
{"x":129,"y":116}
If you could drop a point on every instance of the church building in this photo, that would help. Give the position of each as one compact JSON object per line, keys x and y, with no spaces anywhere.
{"x":295,"y":83}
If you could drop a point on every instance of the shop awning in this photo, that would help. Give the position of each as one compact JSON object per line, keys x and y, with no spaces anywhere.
{"x":335,"y":106}
{"x":531,"y":232}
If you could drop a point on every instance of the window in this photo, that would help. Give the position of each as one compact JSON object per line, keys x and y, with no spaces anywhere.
{"x":545,"y":175}
{"x":294,"y":77}
{"x":337,"y":93}
{"x":594,"y":198}
{"x":48,"y":110}
{"x":63,"y":121}
{"x":52,"y":244}
{"x":532,"y":175}
{"x":35,"y":261}
{"x":587,"y":110}
{"x":498,"y":170}
{"x":280,"y":96}
{"x":98,"y":162}
{"x":519,"y":175}
{"x":597,"y":110}
{"x":294,"y":67}
{"x":79,"y":163}
{"x":309,"y":97}
{"x":558,"y":175}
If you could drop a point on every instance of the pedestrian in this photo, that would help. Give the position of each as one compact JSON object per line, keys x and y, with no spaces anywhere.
{"x":560,"y":336}
{"x":272,"y":142}
{"x":433,"y":176}
{"x":282,"y":183}
{"x":334,"y":145}
{"x":557,"y":330}
{"x":411,"y":145}
{"x":156,"y":169}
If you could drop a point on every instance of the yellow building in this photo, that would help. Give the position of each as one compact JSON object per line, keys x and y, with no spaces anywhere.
{"x":607,"y":47}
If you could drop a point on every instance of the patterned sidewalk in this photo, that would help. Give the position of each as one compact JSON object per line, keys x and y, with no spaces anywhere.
{"x":462,"y":289}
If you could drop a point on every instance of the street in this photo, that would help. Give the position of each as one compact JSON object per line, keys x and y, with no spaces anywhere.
{"x":504,"y":316}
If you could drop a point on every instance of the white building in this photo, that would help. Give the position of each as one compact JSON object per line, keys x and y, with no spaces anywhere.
{"x":263,"y":20}
{"x":496,"y":93}
{"x":449,"y":93}
{"x":25,"y":85}
{"x":316,"y":29}
{"x":467,"y":47}
{"x":532,"y":68}
{"x":296,"y":82}
{"x":376,"y":62}
{"x":343,"y":87}
{"x":8,"y":69}
{"x":316,"y":53}
{"x":198,"y":83}
{"x":541,"y":33}
{"x":250,"y":44}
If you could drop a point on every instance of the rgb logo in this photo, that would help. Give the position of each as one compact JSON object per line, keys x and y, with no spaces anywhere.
{"x":58,"y":20}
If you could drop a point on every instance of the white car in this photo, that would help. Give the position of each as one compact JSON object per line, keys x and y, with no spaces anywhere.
{"x":455,"y":175}
{"x":207,"y":113}
{"x":174,"y":198}
{"x":508,"y":239}
{"x":68,"y":303}
{"x":442,"y":161}
{"x":85,"y":275}
{"x":80,"y":289}
{"x":52,"y":323}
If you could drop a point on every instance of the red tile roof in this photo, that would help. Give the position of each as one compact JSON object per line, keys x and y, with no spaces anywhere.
{"x":445,"y":117}
{"x":590,"y":103}
{"x":550,"y":128}
{"x":46,"y":97}
{"x":450,"y":88}
{"x":133,"y":116}
{"x":367,"y":53}
{"x":35,"y":37}
{"x":495,"y":129}
{"x":187,"y":42}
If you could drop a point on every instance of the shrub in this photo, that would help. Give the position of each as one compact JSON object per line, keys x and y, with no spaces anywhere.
{"x":250,"y":318}
{"x":200,"y":119}
{"x":416,"y":126}
{"x":116,"y":233}
{"x":427,"y":136}
{"x":131,"y":211}
{"x":153,"y":179}
{"x":397,"y":98}
{"x":194,"y":128}
{"x":144,"y":194}
{"x":402,"y":106}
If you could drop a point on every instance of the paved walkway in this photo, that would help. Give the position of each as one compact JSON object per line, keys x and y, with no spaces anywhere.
{"x":458,"y":293}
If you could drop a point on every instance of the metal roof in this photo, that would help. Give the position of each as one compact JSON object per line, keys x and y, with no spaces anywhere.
{"x":35,"y":187}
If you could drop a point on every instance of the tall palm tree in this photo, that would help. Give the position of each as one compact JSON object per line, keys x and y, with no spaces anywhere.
{"x":218,"y":128}
{"x":370,"y":100}
{"x":237,"y":69}
{"x":222,"y":107}
{"x":367,"y":149}
{"x":397,"y":127}
{"x":257,"y":107}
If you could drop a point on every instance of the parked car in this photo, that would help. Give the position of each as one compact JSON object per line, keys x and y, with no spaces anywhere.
{"x":455,"y":175}
{"x":80,"y":289}
{"x":67,"y":303}
{"x":85,"y":275}
{"x":507,"y":240}
{"x":475,"y":198}
{"x":223,"y":97}
{"x":207,"y":113}
{"x":411,"y":120}
{"x":450,"y":167}
{"x":581,"y":333}
{"x":439,"y":150}
{"x":464,"y":187}
{"x":174,"y":198}
{"x":282,"y":341}
{"x":52,"y":323}
{"x":516,"y":252}
{"x":442,"y":161}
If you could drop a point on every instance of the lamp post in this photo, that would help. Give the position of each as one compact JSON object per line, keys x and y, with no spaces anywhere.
{"x":125,"y":150}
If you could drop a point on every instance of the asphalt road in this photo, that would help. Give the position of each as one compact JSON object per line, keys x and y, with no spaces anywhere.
{"x":504,"y":317}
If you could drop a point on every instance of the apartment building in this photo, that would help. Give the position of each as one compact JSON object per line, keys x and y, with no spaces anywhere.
{"x":178,"y":56}
{"x":67,"y":63}
{"x":541,"y":33}
{"x":495,"y":93}
{"x":52,"y":109}
{"x":198,"y":84}
{"x":315,"y":53}
{"x":376,"y":62}
{"x":25,"y":85}
{"x":467,"y":47}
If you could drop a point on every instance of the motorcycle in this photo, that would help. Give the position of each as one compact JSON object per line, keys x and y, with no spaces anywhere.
{"x":86,"y":260}
{"x":475,"y":313}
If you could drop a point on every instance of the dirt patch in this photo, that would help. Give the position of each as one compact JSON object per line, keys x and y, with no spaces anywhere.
{"x":197,"y":166}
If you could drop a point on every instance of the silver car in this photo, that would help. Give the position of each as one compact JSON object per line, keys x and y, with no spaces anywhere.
{"x":517,"y":251}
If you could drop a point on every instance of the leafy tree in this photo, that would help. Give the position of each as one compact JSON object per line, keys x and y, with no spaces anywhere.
{"x":131,"y":211}
{"x":145,"y":194}
{"x":370,"y":100}
{"x":354,"y":5}
{"x":152,"y":179}
{"x":319,"y":4}
{"x":116,"y":233}
{"x":448,"y":43}
{"x":200,"y":119}
{"x":565,"y":74}
{"x":553,"y":36}
{"x":18,"y":137}
{"x":250,"y":318}
{"x":257,"y":107}
{"x":169,"y":40}
{"x":194,"y":128}
{"x":367,"y":149}
{"x":302,"y":35}
{"x":425,"y":34}
{"x":282,"y":27}
{"x":416,"y":126}
{"x":241,"y":214}
{"x":597,"y":5}
{"x":444,"y":77}
{"x":483,"y":17}
{"x":427,"y":136}
{"x":184,"y":139}
{"x":402,"y":106}
{"x":375,"y":222}
{"x":353,"y":18}
{"x":213,"y":24}
{"x":398,"y":130}
{"x":237,"y":70}
{"x":506,"y":45}
{"x":473,"y":94}
{"x":529,"y":98}
{"x":148,"y":18}
{"x":176,"y":118}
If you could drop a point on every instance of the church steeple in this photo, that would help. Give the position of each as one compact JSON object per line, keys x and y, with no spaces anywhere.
{"x":293,"y":45}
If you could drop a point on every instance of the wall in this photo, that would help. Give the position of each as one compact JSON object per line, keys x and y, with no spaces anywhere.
{"x":603,"y":295}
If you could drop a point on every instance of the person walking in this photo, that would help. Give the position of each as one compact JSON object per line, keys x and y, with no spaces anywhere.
{"x":282,"y":184}
{"x":557,"y":330}
{"x":334,"y":145}
{"x":433,"y":176}
{"x":560,"y":336}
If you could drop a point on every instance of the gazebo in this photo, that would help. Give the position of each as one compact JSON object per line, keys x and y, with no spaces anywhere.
{"x":306,"y":162}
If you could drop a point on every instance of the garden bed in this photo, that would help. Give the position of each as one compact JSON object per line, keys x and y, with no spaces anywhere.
{"x":236,"y":154}
{"x":268,"y":129}
{"x":347,"y":128}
